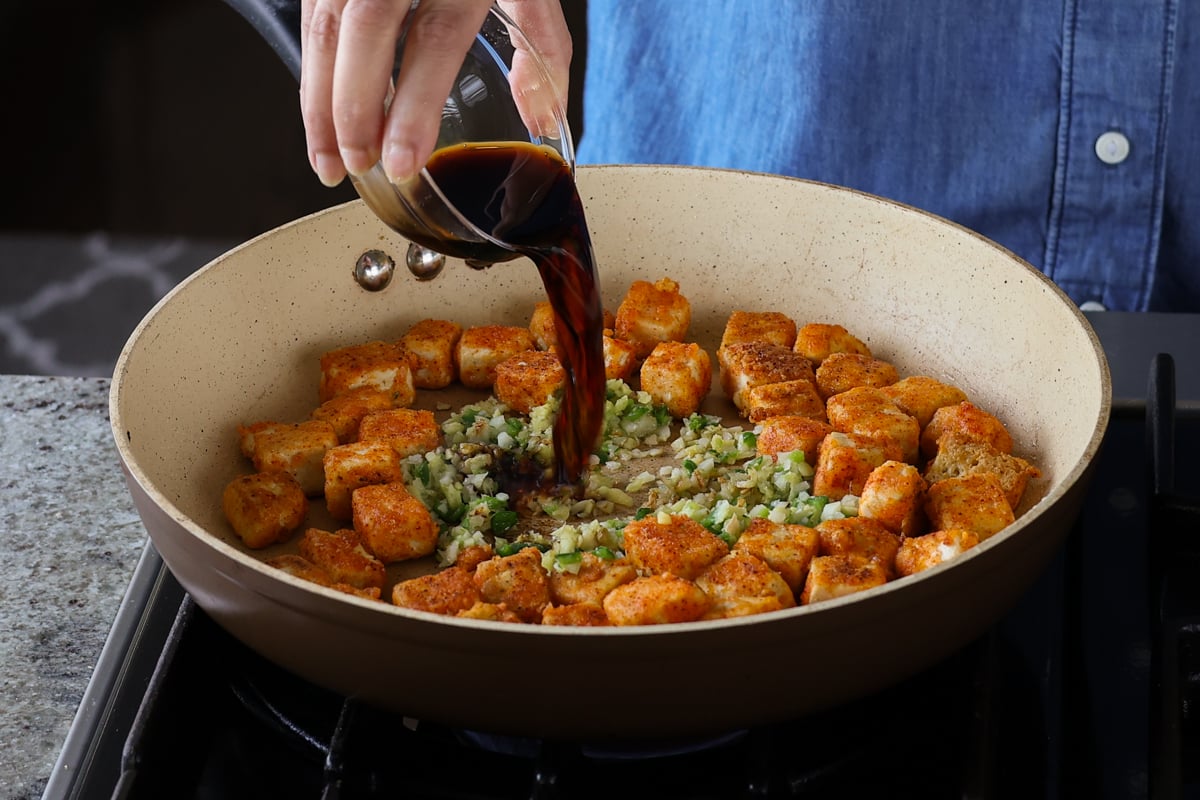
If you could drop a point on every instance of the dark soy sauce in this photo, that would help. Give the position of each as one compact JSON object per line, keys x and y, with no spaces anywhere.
{"x":525,"y":196}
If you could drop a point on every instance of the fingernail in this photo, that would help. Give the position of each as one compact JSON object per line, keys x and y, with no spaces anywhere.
{"x":399,"y":163}
{"x":329,"y":169}
{"x":358,"y":162}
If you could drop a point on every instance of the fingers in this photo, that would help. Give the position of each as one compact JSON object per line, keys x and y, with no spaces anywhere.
{"x":543,"y":22}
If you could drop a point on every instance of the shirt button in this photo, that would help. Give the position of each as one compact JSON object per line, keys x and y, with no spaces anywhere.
{"x":1112,"y":147}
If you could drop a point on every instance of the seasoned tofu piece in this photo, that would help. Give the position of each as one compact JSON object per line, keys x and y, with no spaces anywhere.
{"x":958,"y":456}
{"x":541,"y":326}
{"x":298,"y":449}
{"x":788,"y":434}
{"x":471,"y":557}
{"x":588,"y":615}
{"x":341,"y":553}
{"x":652,"y":313}
{"x":346,"y":410}
{"x":750,"y":364}
{"x":247,"y":434}
{"x":656,"y":600}
{"x":740,"y":585}
{"x":894,"y":495}
{"x":816,"y":341}
{"x":300,"y":567}
{"x":830,"y":577}
{"x":620,"y":358}
{"x":859,"y":536}
{"x":394,"y":525}
{"x":381,"y":365}
{"x":772,"y":327}
{"x":519,"y":581}
{"x":264,"y":508}
{"x":866,"y":411}
{"x":968,"y":421}
{"x":596,"y":578}
{"x":677,"y":545}
{"x":447,"y":592}
{"x":430,"y":345}
{"x":527,"y":380}
{"x":920,"y":396}
{"x":919,"y":553}
{"x":842,"y":371}
{"x":787,"y":549}
{"x":845,"y":461}
{"x":678,"y":376}
{"x":349,"y":466}
{"x":480,"y":350}
{"x":493,"y":612}
{"x":408,"y":430}
{"x":788,"y":398}
{"x":973,"y":502}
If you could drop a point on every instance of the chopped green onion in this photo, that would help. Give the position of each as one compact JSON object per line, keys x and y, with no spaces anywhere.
{"x":643,"y":512}
{"x":637,"y":411}
{"x":600,"y":551}
{"x":514,"y":426}
{"x":503,"y":520}
{"x":422,"y":472}
{"x":689,"y":465}
{"x":512,"y":548}
{"x":662,"y":415}
{"x":569,"y":558}
{"x":468,"y":416}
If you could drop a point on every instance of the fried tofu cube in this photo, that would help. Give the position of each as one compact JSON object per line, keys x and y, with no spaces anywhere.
{"x":656,"y":600}
{"x":300,"y":567}
{"x":448,"y":592}
{"x":393,"y":524}
{"x":481,"y":349}
{"x":787,"y":549}
{"x":652,"y":313}
{"x":430,"y":345}
{"x":919,"y":553}
{"x":958,"y":456}
{"x":830,"y":577}
{"x":741,"y":584}
{"x":968,"y":421}
{"x":867,"y":411}
{"x":527,"y":380}
{"x":341,"y":553}
{"x":859,"y":536}
{"x":492,"y":612}
{"x":845,"y":461}
{"x":471,"y":557}
{"x":788,"y":434}
{"x":750,"y":364}
{"x":973,"y":502}
{"x":264,"y":508}
{"x":247,"y":434}
{"x":541,"y":326}
{"x":620,"y":358}
{"x":772,"y":327}
{"x":788,"y":398}
{"x":842,"y":371}
{"x":816,"y":341}
{"x":346,"y":410}
{"x":380,"y":365}
{"x":588,"y":615}
{"x":678,"y":376}
{"x":920,"y":396}
{"x":894,"y":495}
{"x":672,"y":544}
{"x":298,"y":449}
{"x":349,"y":466}
{"x":519,"y":582}
{"x":408,"y":430}
{"x":596,"y":578}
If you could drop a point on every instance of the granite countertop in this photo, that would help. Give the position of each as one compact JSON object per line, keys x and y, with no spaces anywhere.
{"x":70,"y":543}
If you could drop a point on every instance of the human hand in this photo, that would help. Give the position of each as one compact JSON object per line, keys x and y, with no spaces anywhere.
{"x":352,"y":116}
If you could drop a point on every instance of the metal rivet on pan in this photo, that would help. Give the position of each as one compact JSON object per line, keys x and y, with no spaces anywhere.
{"x":423,"y":263}
{"x":373,"y":270}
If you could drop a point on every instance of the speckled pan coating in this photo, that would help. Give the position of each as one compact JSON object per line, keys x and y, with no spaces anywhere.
{"x":239,"y":341}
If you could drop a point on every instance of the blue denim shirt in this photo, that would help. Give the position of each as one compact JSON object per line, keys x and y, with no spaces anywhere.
{"x":1066,"y":130}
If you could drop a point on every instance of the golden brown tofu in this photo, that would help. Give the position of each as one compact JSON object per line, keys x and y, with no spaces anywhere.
{"x":349,"y":466}
{"x":830,"y":577}
{"x":789,"y":398}
{"x":973,"y":502}
{"x":578,"y":614}
{"x":750,"y":364}
{"x":264,"y":508}
{"x":300,"y":567}
{"x":447,"y":592}
{"x":680,"y":546}
{"x":859,"y":536}
{"x":541,"y":326}
{"x":656,"y":600}
{"x":919,"y":553}
{"x":958,"y":456}
{"x":380,"y":365}
{"x":298,"y":450}
{"x":346,"y":410}
{"x":772,"y":327}
{"x":408,"y":430}
{"x":620,"y":358}
{"x":920,"y":396}
{"x":787,"y":549}
{"x":471,"y":557}
{"x":845,"y":461}
{"x":480,"y":350}
{"x":527,"y":380}
{"x":430,"y":344}
{"x":866,"y":411}
{"x":394,"y":525}
{"x":969,"y":422}
{"x":678,"y":376}
{"x":741,"y":584}
{"x":596,"y":577}
{"x":842,"y":371}
{"x":493,"y":612}
{"x":788,"y":434}
{"x":247,"y":434}
{"x":518,"y":581}
{"x":341,"y":553}
{"x":816,"y":341}
{"x":894,"y":495}
{"x":652,"y":313}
